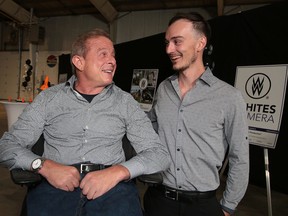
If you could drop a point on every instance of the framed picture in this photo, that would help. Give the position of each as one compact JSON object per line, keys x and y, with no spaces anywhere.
{"x":143,"y":87}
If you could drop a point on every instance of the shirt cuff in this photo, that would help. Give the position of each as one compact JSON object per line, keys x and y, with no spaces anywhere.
{"x":135,"y":168}
{"x":230,"y":211}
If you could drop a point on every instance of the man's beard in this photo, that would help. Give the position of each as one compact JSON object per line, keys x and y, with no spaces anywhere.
{"x":179,"y":69}
{"x":184,"y":66}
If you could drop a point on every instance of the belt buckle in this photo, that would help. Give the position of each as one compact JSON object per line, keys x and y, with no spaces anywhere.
{"x":171,"y":194}
{"x":83,"y":167}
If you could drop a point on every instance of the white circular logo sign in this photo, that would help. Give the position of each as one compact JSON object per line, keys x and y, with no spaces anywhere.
{"x":258,"y":86}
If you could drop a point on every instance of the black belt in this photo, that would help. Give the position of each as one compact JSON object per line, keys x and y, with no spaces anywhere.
{"x":89,"y":167}
{"x":185,"y":196}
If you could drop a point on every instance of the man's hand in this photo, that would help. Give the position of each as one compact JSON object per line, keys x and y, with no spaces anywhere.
{"x":226,"y":213}
{"x":96,"y":183}
{"x":60,"y":176}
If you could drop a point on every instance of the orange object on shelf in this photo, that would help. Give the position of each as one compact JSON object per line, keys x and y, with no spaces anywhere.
{"x":45,"y":84}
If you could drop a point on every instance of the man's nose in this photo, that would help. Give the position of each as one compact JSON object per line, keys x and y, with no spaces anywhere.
{"x":169,"y":48}
{"x":112,"y":60}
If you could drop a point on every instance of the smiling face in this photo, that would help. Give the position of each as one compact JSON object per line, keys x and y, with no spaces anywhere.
{"x":96,"y":68}
{"x":184,"y":45}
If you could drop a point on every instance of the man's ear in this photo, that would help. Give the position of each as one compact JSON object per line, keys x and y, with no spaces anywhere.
{"x":202,"y":42}
{"x":78,"y":62}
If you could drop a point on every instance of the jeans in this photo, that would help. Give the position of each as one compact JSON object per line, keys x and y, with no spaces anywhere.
{"x":45,"y":200}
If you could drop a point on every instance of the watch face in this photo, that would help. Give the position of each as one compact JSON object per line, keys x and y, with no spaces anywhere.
{"x":36,"y":164}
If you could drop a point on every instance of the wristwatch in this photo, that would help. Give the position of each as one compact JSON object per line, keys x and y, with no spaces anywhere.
{"x":37,"y":164}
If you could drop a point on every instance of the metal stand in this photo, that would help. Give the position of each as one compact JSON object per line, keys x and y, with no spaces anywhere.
{"x":266,"y":160}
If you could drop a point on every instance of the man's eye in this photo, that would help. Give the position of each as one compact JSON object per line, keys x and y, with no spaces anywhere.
{"x":103,"y":54}
{"x":177,"y":42}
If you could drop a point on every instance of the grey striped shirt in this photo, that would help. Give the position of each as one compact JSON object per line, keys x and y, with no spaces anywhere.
{"x":77,"y":131}
{"x":198,"y":131}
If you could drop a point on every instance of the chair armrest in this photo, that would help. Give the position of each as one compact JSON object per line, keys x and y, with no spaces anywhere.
{"x":25,"y":177}
{"x":151,"y":179}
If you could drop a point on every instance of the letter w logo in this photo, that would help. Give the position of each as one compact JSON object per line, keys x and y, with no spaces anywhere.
{"x":257,"y":85}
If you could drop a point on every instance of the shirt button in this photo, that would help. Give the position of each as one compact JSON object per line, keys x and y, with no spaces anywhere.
{"x":178,"y":169}
{"x":179,"y":130}
{"x":180,"y":187}
{"x":178,"y":149}
{"x":181,"y":110}
{"x":86,"y":127}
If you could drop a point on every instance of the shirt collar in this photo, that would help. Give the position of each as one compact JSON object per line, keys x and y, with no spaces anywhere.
{"x":207,"y":77}
{"x":72,"y":80}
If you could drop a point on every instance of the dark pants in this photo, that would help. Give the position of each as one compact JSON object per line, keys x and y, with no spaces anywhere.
{"x":45,"y":200}
{"x":156,"y":204}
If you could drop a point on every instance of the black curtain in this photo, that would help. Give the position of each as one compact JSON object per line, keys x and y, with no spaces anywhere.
{"x":254,"y":37}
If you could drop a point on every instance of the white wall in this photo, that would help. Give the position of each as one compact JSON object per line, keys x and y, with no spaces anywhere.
{"x":9,"y":74}
{"x":12,"y":78}
{"x":135,"y":25}
{"x":61,"y":31}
